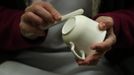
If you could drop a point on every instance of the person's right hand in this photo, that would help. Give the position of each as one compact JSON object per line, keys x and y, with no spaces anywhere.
{"x":38,"y":15}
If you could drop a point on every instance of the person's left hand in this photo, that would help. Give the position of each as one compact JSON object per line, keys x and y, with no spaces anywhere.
{"x":105,"y":23}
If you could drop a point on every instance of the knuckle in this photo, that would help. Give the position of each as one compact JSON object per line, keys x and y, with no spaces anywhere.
{"x":27,"y":14}
{"x":36,"y":7}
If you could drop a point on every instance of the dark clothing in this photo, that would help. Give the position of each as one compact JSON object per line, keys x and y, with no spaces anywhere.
{"x":112,"y":5}
{"x":10,"y":35}
{"x":122,"y":12}
{"x":15,"y":4}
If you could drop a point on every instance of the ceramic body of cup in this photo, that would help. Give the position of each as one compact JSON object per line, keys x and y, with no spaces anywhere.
{"x":82,"y":32}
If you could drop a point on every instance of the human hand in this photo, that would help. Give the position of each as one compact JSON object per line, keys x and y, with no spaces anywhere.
{"x":105,"y":23}
{"x":38,"y":15}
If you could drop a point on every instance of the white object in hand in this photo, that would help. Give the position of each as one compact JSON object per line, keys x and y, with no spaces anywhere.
{"x":65,"y":17}
{"x":71,"y":14}
{"x":81,"y":32}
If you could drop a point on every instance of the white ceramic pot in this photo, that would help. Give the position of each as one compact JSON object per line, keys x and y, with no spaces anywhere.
{"x":80,"y":32}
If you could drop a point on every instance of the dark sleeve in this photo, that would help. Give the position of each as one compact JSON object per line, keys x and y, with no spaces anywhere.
{"x":123,"y":27}
{"x":10,"y":37}
{"x":15,"y":4}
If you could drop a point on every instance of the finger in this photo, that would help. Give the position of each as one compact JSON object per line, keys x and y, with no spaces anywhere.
{"x":105,"y":22}
{"x":104,"y":26}
{"x":90,"y":60}
{"x":110,"y":37}
{"x":31,"y":18}
{"x":106,"y":44}
{"x":43,"y":13}
{"x":80,"y":62}
{"x":52,"y":10}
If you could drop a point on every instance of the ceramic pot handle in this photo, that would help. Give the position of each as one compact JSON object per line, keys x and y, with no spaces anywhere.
{"x":82,"y":53}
